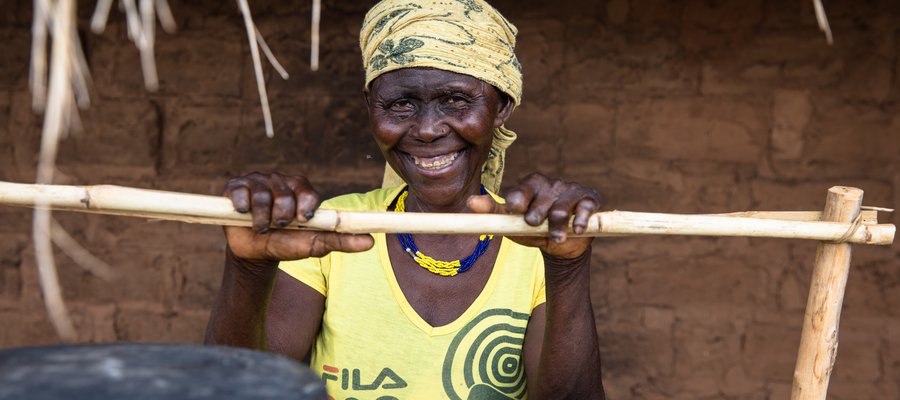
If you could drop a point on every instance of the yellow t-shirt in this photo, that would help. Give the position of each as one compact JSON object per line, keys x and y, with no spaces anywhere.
{"x":374,"y":346}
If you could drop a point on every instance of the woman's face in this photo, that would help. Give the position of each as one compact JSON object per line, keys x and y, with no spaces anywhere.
{"x":434,"y":128}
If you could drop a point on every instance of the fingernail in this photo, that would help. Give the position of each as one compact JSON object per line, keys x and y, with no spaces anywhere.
{"x":558,"y":237}
{"x":264,"y":230}
{"x":281,"y":223}
{"x":309,"y":214}
{"x":578,"y":230}
{"x":242,"y":209}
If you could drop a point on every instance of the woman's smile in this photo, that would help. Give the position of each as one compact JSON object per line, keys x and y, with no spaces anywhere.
{"x":435,"y":163}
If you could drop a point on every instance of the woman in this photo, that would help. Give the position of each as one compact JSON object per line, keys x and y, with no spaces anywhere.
{"x":381,"y":316}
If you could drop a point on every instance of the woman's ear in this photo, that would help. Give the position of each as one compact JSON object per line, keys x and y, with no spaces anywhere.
{"x":504,"y":109}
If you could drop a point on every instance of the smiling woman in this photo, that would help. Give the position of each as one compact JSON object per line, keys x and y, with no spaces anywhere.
{"x":424,"y":316}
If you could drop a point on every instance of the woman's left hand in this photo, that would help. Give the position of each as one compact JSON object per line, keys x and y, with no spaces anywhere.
{"x":539,"y":198}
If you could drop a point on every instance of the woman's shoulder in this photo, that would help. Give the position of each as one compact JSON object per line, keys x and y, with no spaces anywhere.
{"x":375,"y":200}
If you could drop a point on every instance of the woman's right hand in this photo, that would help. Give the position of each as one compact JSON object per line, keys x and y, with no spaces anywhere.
{"x":275,"y":200}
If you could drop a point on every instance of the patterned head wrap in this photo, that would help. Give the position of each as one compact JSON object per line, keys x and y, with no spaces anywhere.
{"x":464,"y":36}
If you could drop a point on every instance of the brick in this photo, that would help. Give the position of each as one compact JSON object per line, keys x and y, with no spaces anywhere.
{"x":265,"y":11}
{"x":16,"y":15}
{"x":140,"y":275}
{"x":94,"y":323}
{"x":778,"y":390}
{"x":141,"y":323}
{"x":822,"y":74}
{"x":662,"y":71}
{"x":675,"y":129}
{"x":792,"y":291}
{"x":608,"y":290}
{"x":871,"y":287}
{"x":702,"y":24}
{"x":770,"y":351}
{"x":853,"y":132}
{"x":30,"y":299}
{"x":655,"y":357}
{"x":26,"y":328}
{"x":737,"y":383}
{"x":259,"y":152}
{"x":587,"y":126}
{"x":869,"y":78}
{"x":660,"y":172}
{"x":703,"y":352}
{"x":744,"y":15}
{"x":24,"y":130}
{"x":774,"y":196}
{"x":191,"y":137}
{"x":337,"y":133}
{"x":538,"y":147}
{"x":709,"y":189}
{"x":656,"y":12}
{"x":729,"y":77}
{"x":6,"y":137}
{"x":656,"y":318}
{"x":713,"y":280}
{"x":541,"y":57}
{"x":620,"y":194}
{"x":859,"y":357}
{"x":339,"y":63}
{"x":15,"y":59}
{"x":188,"y":326}
{"x":215,"y":60}
{"x":791,"y":111}
{"x":891,"y":357}
{"x":810,"y":195}
{"x":198,"y":276}
{"x":115,"y":64}
{"x":617,"y":11}
{"x":11,"y":249}
{"x":868,"y":41}
{"x":116,"y":133}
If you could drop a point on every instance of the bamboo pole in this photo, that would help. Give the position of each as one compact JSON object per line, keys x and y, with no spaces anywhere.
{"x":819,"y":339}
{"x":57,"y":117}
{"x":193,"y":208}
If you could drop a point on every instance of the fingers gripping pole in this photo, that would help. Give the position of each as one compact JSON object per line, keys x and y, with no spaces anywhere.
{"x":819,"y":340}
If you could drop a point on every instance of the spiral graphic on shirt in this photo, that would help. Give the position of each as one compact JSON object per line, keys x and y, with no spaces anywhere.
{"x":484,"y":360}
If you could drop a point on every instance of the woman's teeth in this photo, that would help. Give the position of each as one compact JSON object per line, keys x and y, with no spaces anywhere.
{"x":435,"y":162}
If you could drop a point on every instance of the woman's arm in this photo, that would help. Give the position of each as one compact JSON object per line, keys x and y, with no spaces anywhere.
{"x":257,"y":306}
{"x":562,"y":359}
{"x":238,"y":316}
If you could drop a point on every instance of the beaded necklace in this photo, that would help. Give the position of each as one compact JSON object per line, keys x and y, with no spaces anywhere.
{"x":443,"y":268}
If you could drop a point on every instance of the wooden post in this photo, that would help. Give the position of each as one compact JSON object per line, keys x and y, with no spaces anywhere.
{"x":819,"y":340}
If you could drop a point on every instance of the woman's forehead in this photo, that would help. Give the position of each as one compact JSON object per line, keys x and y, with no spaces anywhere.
{"x":420,"y":78}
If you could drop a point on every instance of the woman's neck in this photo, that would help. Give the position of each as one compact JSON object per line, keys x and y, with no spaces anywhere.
{"x":457,"y":204}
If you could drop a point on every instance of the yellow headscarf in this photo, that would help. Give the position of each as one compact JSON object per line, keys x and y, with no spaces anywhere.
{"x":464,"y":36}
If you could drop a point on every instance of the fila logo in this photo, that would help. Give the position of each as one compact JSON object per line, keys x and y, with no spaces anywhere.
{"x":353,"y":380}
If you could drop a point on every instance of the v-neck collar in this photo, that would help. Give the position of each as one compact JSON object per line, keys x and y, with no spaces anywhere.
{"x":410,"y":312}
{"x":400,"y":297}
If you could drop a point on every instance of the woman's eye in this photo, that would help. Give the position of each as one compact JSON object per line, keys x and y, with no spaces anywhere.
{"x":401,"y":105}
{"x":456,"y":101}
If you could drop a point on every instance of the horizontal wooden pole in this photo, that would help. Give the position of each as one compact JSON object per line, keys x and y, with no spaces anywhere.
{"x":217,"y":210}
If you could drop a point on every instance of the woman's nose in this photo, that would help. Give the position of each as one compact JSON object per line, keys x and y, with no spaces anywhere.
{"x":431,"y":126}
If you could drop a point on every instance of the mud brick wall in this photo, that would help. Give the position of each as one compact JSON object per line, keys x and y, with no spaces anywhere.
{"x":668,"y":106}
